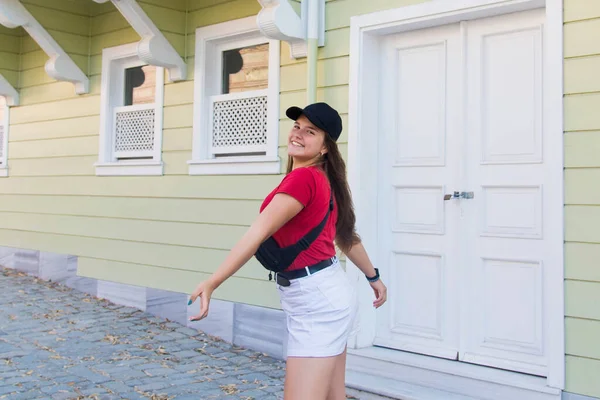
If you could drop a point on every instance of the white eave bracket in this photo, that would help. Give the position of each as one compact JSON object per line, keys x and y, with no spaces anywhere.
{"x":154,"y":48}
{"x":9,"y":92}
{"x":278,"y":20}
{"x":60,"y":66}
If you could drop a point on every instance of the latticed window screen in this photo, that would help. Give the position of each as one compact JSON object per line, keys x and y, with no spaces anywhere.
{"x":239,"y":125}
{"x":134,"y":131}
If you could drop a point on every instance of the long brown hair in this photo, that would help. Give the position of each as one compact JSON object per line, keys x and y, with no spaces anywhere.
{"x":334,"y":166}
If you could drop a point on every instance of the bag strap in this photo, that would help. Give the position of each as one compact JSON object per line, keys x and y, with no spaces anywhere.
{"x":314,"y":233}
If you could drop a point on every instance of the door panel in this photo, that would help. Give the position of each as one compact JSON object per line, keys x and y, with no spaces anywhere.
{"x":504,"y":303}
{"x":461,"y":109}
{"x":418,"y":165}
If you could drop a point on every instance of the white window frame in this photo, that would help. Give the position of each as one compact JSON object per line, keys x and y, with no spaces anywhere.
{"x":5,"y":122}
{"x":211,"y":41}
{"x":114,"y":62}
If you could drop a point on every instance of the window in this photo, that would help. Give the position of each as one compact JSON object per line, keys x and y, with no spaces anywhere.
{"x":236,"y":109}
{"x":4,"y":124}
{"x":131,"y":117}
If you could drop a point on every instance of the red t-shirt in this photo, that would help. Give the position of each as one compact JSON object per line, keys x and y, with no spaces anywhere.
{"x":310,"y":186}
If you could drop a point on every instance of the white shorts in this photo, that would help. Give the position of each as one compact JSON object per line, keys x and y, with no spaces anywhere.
{"x":320,"y":312}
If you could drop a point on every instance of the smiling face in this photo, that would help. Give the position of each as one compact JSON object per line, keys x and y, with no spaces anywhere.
{"x":306,"y":142}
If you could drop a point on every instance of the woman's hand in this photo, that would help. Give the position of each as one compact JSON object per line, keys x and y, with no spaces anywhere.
{"x":380,"y":293}
{"x":204,"y":291}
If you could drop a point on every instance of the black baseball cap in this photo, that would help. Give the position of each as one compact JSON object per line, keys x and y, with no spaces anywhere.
{"x":322,"y":115}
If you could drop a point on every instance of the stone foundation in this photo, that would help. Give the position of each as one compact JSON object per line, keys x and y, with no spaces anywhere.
{"x":257,"y":328}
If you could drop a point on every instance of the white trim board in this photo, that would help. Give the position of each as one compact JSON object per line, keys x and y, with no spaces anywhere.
{"x":365,"y":31}
{"x":210,"y":41}
{"x":114,"y":61}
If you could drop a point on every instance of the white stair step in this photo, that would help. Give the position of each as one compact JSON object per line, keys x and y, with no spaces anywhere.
{"x":392,"y":387}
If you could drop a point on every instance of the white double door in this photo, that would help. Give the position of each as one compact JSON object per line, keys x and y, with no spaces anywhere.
{"x":463,"y":220}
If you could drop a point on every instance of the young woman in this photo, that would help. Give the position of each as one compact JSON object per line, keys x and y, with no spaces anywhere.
{"x":316,"y":295}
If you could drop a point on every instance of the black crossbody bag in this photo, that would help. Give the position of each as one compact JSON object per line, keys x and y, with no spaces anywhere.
{"x":277,"y":259}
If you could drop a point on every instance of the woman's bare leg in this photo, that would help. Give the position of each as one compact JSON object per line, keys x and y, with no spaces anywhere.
{"x":308,"y":377}
{"x":337,"y":389}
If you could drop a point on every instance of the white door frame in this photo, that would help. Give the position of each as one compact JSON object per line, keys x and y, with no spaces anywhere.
{"x":363,"y":128}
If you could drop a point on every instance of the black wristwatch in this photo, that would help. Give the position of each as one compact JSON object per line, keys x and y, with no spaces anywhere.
{"x":374,"y":278}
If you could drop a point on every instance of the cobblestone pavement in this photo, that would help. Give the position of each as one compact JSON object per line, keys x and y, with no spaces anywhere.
{"x":58,"y":343}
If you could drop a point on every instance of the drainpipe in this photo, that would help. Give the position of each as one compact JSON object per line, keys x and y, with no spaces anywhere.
{"x":312,"y":47}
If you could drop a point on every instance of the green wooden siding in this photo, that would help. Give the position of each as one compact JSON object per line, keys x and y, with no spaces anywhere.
{"x":10,"y":49}
{"x":582,"y":196}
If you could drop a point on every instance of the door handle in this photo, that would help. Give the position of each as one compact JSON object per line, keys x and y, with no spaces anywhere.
{"x":459,"y":195}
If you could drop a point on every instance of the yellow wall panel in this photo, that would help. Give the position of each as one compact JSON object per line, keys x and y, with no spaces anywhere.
{"x":581,"y":38}
{"x":582,"y":299}
{"x":55,"y":91}
{"x":583,"y":376}
{"x":337,"y":44}
{"x":58,"y":166}
{"x":177,"y":139}
{"x":71,"y":43}
{"x":581,"y":74}
{"x":582,"y":261}
{"x":581,"y":112}
{"x":74,"y":146}
{"x":222,"y":12}
{"x":10,"y":43}
{"x":81,"y":8}
{"x":75,"y":107}
{"x":180,"y":5}
{"x":575,"y":10}
{"x":194,"y":5}
{"x":52,"y":19}
{"x":95,"y":65}
{"x":100,"y":9}
{"x":175,"y":162}
{"x":71,"y":127}
{"x":330,"y":72}
{"x":582,"y":337}
{"x":111,"y":39}
{"x":9,"y":61}
{"x":177,"y":41}
{"x":231,"y":212}
{"x":37,"y":59}
{"x":11,"y":76}
{"x":179,"y":93}
{"x":35,"y":76}
{"x":582,"y":149}
{"x":581,"y":223}
{"x":578,"y":189}
{"x":12,"y":31}
{"x":207,"y":236}
{"x":33,"y":59}
{"x":165,"y":19}
{"x":252,"y":187}
{"x":180,"y":116}
{"x":109,"y":22}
